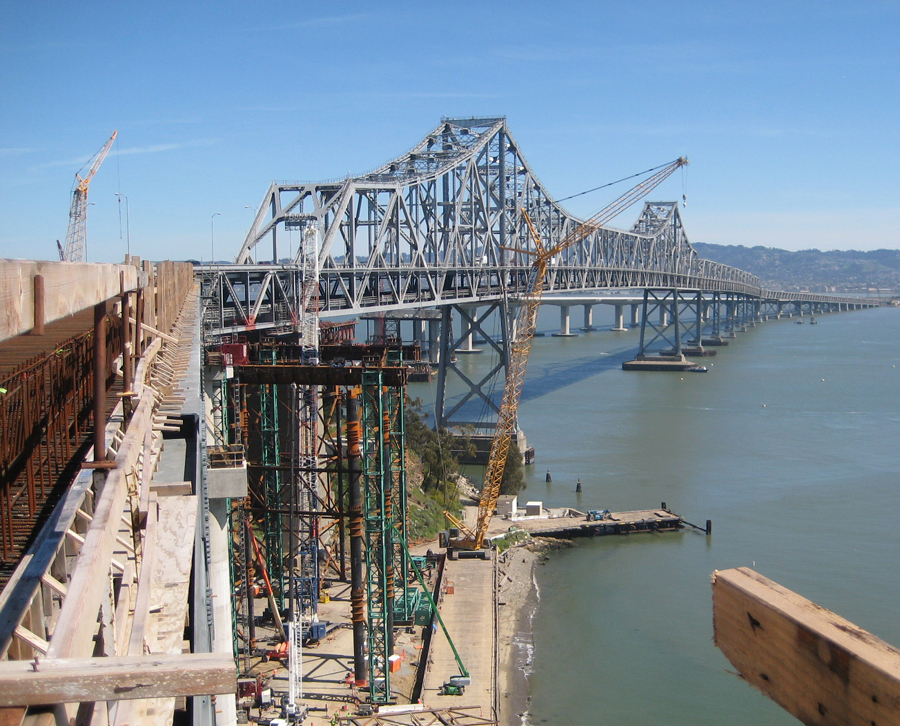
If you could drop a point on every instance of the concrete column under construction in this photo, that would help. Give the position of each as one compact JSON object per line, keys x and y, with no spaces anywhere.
{"x":619,"y":318}
{"x":419,"y":331}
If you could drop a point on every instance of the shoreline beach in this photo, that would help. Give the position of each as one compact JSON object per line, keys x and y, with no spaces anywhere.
{"x":519,"y":599}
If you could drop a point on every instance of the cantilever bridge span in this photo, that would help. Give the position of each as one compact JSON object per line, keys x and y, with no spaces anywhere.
{"x":443,"y":226}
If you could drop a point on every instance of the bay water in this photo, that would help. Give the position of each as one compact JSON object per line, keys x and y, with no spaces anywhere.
{"x":790,"y":444}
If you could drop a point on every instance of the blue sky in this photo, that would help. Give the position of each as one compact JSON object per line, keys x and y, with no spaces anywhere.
{"x":788,"y":110}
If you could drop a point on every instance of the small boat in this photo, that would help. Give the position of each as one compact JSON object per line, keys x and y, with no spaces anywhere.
{"x":698,"y":369}
{"x":799,"y":322}
{"x":813,"y":322}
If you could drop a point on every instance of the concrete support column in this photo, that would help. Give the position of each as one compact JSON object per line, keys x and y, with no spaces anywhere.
{"x":467,"y":342}
{"x":419,"y":331}
{"x":619,"y":318}
{"x":663,"y":315}
{"x":635,"y":315}
{"x":434,"y":336}
{"x":512,"y":324}
{"x":220,"y":586}
{"x":588,"y":317}
{"x":564,"y":331}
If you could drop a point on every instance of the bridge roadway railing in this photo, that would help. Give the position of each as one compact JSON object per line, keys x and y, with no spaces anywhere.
{"x":266,"y":297}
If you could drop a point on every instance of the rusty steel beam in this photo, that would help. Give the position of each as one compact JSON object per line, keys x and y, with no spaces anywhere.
{"x":315,"y":375}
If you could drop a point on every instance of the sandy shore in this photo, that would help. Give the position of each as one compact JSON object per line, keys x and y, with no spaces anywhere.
{"x":518,"y":603}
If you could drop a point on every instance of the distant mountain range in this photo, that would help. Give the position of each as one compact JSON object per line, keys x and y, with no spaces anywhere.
{"x":812,"y":270}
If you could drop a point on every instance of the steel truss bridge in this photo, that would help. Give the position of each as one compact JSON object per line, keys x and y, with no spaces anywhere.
{"x":442,"y":226}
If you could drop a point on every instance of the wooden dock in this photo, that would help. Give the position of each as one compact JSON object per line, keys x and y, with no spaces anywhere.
{"x":570,"y":523}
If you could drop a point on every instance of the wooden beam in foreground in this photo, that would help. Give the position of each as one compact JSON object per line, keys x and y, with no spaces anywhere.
{"x":814,"y":664}
{"x":78,"y":680}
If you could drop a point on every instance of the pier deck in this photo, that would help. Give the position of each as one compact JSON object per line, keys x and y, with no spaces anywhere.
{"x":571,"y":523}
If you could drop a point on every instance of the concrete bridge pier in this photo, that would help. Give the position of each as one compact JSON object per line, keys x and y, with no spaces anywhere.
{"x":418,"y":325}
{"x":564,"y":331}
{"x":588,"y":317}
{"x":434,"y":338}
{"x":635,"y":315}
{"x":619,"y":318}
{"x":731,"y":323}
{"x":467,"y":340}
{"x":663,"y":316}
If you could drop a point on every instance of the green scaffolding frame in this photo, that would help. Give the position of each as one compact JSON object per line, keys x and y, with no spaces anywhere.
{"x":384,"y":511}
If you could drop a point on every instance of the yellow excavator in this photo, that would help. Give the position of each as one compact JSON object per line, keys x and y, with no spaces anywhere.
{"x":473,"y":539}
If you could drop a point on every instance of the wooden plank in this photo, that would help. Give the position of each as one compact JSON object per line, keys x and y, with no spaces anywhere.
{"x":80,"y":680}
{"x":12,"y":716}
{"x":74,"y":633}
{"x":124,"y":607}
{"x":22,"y":587}
{"x":153,"y":331}
{"x":170,"y":577}
{"x":171,"y":488}
{"x":170,"y":580}
{"x":142,"y":601}
{"x":813,"y":663}
{"x":35,"y":641}
{"x":54,"y":584}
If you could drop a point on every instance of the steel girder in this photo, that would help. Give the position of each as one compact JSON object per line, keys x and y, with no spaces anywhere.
{"x":443,"y":224}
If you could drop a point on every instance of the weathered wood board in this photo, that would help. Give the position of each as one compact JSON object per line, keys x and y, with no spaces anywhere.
{"x":816,"y":665}
{"x":110,"y":679}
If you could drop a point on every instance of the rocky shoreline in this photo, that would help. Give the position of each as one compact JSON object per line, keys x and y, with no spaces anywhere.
{"x":518,"y":601}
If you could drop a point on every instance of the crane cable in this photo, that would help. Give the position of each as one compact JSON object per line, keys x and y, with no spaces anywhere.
{"x":618,"y":181}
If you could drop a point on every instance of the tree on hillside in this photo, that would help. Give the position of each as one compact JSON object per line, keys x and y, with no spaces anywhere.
{"x":434,"y":449}
{"x":513,"y":480}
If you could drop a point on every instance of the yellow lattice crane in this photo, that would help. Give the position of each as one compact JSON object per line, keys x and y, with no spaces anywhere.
{"x":75,"y":237}
{"x":522,"y":335}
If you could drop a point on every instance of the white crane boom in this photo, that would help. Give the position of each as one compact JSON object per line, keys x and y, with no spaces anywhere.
{"x":77,"y":233}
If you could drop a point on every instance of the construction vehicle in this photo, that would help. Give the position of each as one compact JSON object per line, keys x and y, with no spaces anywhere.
{"x":456,"y":685}
{"x":598,"y":515}
{"x":77,"y":233}
{"x":452,"y":689}
{"x":473,"y":539}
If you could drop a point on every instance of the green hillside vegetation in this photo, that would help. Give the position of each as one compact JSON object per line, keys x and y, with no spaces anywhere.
{"x":849,"y":271}
{"x":432,"y":481}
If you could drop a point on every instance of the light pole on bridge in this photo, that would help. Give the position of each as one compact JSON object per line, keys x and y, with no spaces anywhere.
{"x":212,"y":236}
{"x":127,"y":223}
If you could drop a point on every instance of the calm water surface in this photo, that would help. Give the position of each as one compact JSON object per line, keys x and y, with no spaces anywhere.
{"x":789,"y":445}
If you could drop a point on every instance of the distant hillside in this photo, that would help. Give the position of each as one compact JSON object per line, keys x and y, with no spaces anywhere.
{"x":812,"y":270}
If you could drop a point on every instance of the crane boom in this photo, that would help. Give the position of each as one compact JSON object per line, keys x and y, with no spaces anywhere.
{"x":526,"y":321}
{"x":77,"y":232}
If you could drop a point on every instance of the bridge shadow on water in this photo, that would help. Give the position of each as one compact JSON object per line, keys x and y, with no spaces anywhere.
{"x":566,"y":372}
